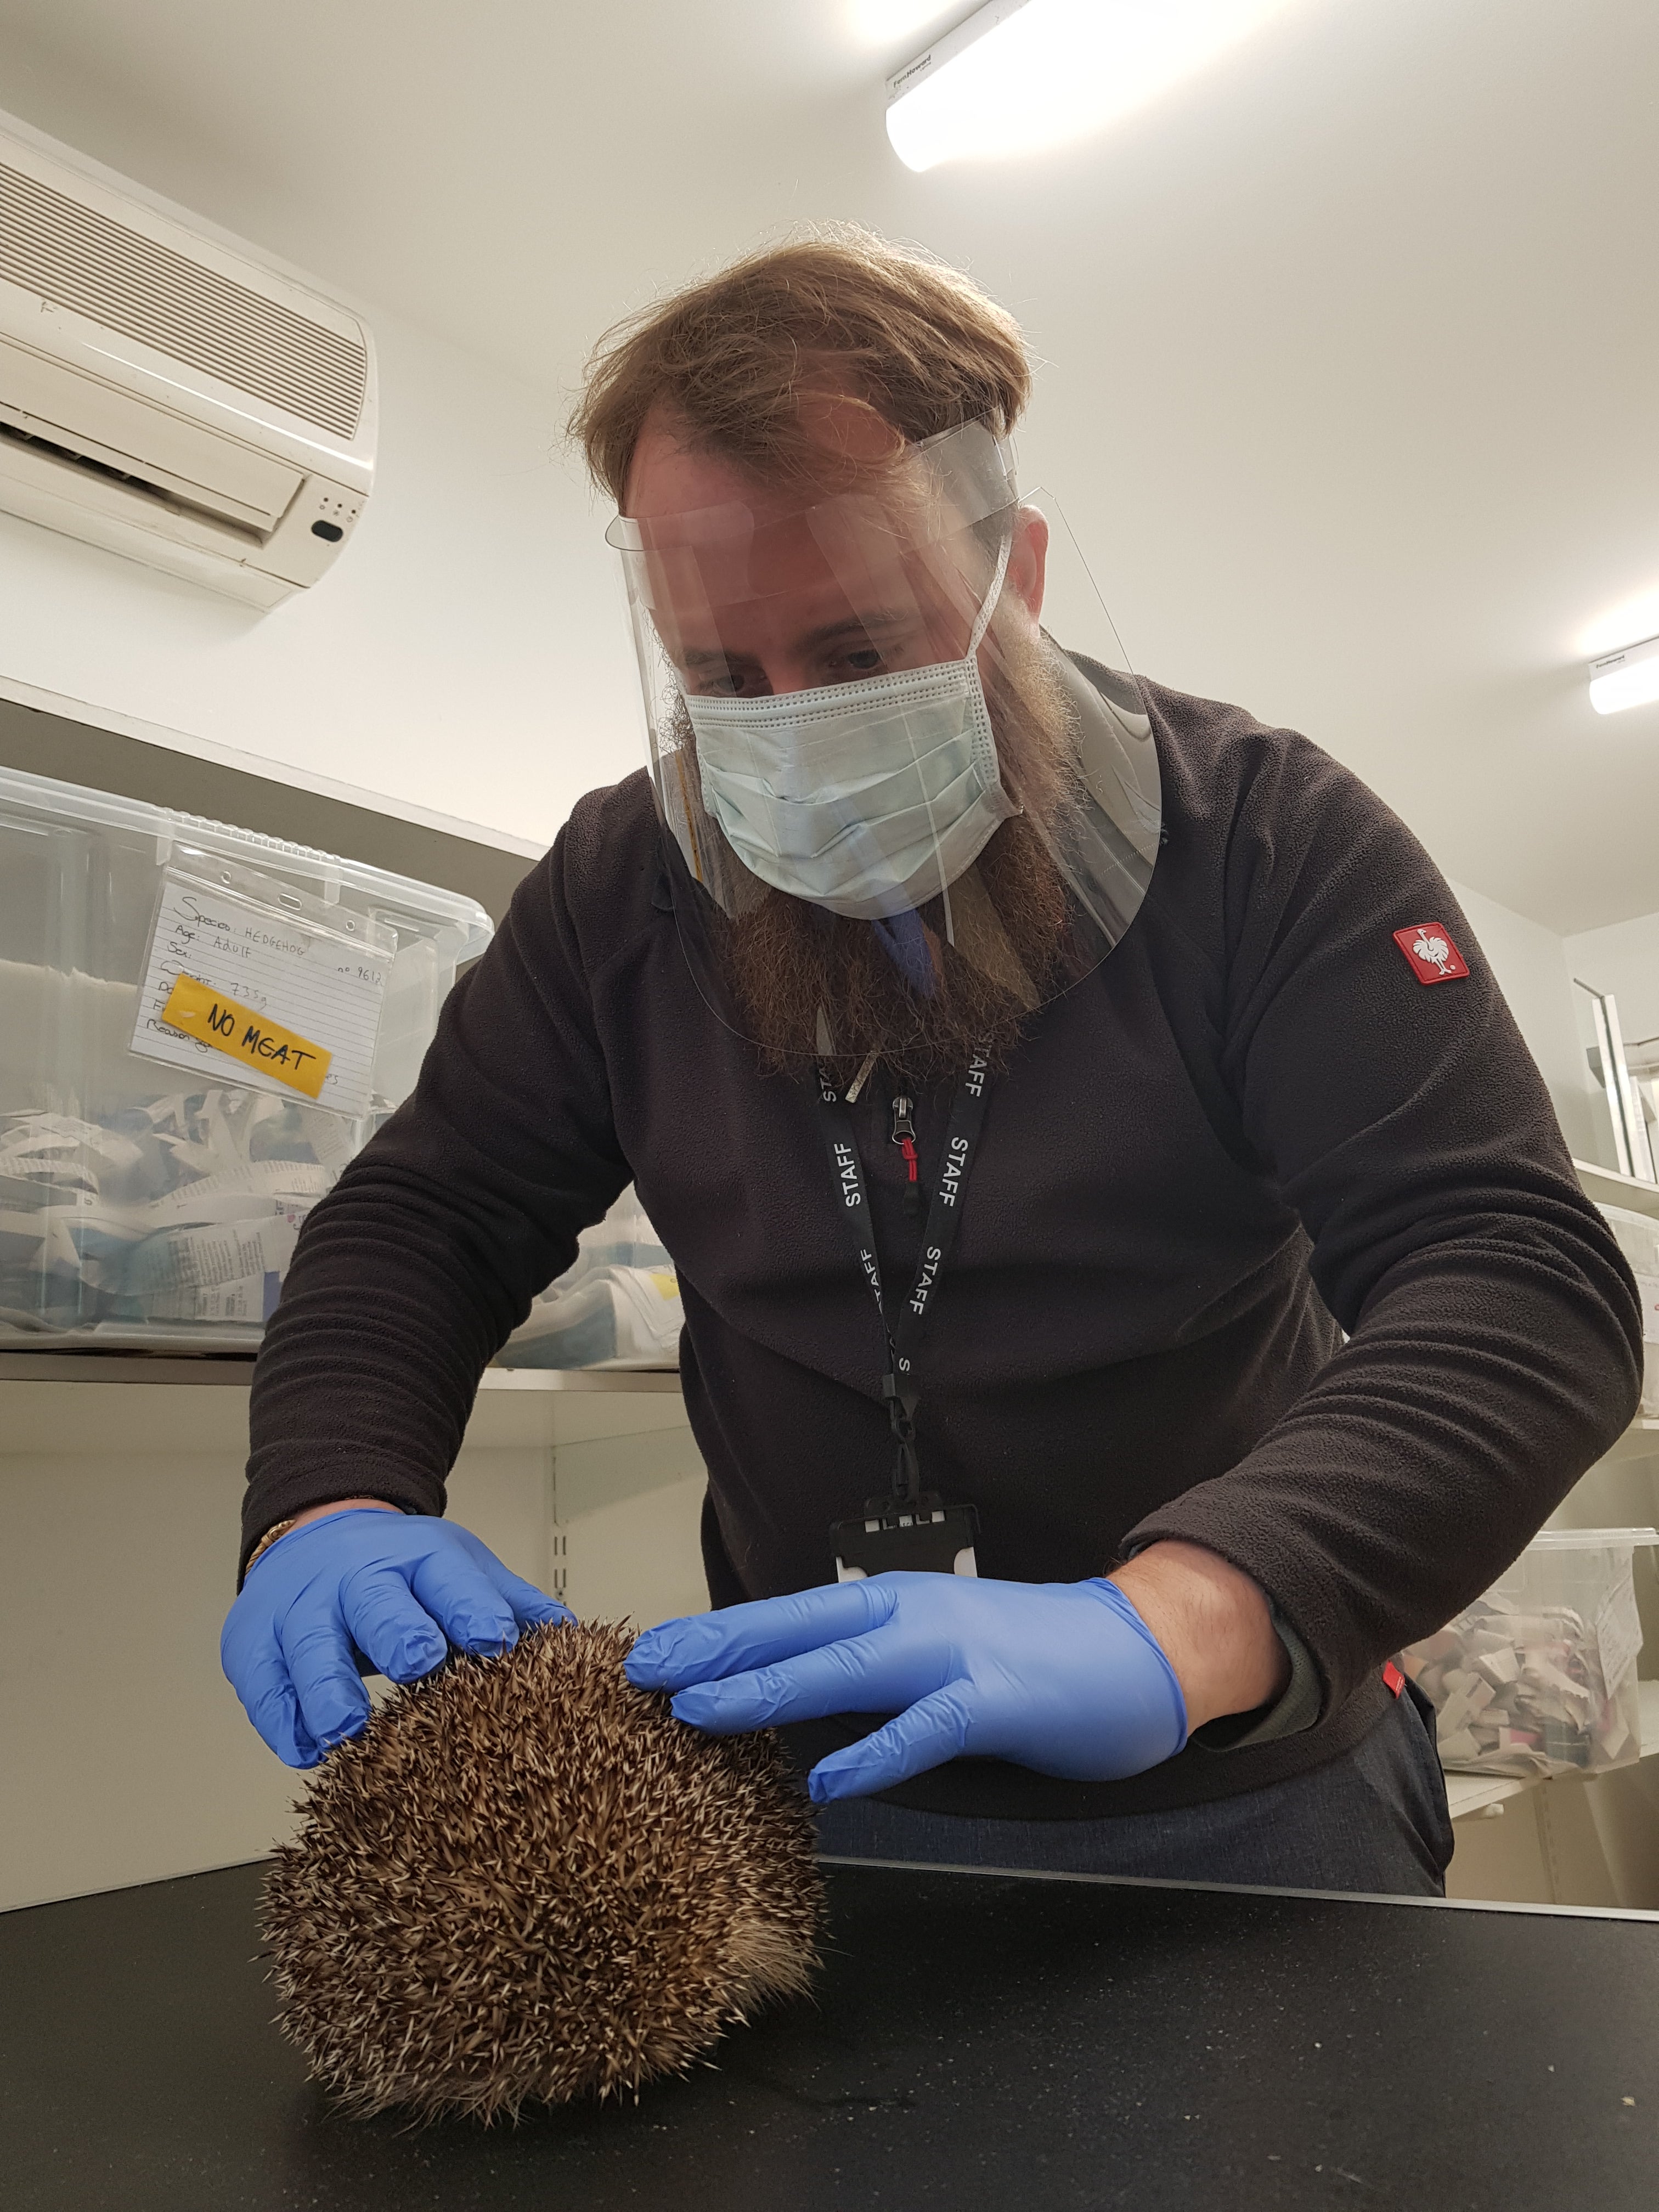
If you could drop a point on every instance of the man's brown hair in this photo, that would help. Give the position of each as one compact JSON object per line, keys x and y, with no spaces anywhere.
{"x":729,"y":359}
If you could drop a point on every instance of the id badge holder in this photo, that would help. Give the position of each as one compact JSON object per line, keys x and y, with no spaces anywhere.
{"x":896,"y":1535}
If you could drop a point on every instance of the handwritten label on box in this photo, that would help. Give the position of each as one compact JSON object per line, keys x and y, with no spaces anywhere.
{"x":289,"y":977}
{"x":231,"y":1028}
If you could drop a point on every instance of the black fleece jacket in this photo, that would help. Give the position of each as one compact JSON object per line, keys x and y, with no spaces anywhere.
{"x":1251,"y":1124}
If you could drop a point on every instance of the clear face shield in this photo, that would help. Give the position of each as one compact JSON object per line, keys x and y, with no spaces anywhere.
{"x":901,"y":810}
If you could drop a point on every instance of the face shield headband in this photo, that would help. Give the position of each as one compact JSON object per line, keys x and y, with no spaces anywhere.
{"x":848,"y":697}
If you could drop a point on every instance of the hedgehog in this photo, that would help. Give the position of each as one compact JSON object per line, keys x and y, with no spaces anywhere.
{"x":526,"y":1882}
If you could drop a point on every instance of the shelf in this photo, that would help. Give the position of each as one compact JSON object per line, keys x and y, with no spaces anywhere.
{"x":1639,"y":1441}
{"x":648,"y":1379}
{"x":1608,"y":1188}
{"x":170,"y":1407}
{"x":1478,"y":1793}
{"x":236,"y":1370}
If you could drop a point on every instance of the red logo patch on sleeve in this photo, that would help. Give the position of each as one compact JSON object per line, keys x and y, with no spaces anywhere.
{"x":1433,"y":957}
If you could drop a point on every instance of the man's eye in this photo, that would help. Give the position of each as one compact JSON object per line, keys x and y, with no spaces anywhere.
{"x":725,"y":683}
{"x":856,"y":660}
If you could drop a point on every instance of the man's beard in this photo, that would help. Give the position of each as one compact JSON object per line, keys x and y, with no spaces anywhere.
{"x":926,"y":992}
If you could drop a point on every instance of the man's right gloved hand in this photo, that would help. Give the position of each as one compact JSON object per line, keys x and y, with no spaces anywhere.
{"x":397,"y":1588}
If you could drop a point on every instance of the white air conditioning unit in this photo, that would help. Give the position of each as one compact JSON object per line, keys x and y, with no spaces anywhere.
{"x":169,"y":398}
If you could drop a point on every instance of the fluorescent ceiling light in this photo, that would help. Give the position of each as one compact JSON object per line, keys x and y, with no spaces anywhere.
{"x":1629,"y":678}
{"x":1023,"y":74}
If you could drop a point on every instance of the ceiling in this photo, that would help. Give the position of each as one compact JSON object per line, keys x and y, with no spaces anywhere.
{"x":1347,"y":348}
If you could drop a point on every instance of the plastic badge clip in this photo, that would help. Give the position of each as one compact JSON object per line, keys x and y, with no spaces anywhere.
{"x":900,"y":1535}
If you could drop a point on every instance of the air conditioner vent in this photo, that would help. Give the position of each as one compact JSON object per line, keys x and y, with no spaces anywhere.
{"x":90,"y":466}
{"x":79,"y":259}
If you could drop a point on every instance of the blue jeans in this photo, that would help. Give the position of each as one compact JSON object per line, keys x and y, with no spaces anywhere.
{"x":1373,"y":1819}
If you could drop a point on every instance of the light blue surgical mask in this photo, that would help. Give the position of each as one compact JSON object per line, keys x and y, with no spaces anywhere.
{"x":868,"y":798}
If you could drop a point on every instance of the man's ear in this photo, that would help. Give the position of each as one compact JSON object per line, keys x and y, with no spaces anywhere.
{"x":1027,"y":559}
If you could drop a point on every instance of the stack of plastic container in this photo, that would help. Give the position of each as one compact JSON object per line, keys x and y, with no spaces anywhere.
{"x":198,"y":1027}
{"x":618,"y":1306}
{"x":1538,"y":1676}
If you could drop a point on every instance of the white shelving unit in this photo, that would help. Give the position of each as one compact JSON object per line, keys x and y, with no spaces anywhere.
{"x":1608,"y":1188}
{"x":128,"y":1758}
{"x":1570,"y":1840}
{"x":236,"y":1371}
{"x":515,"y":1405}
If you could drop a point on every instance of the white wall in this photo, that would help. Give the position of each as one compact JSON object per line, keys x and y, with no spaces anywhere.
{"x":127,"y":1757}
{"x":468,"y":656}
{"x":1625,"y":960}
{"x":1530,"y":962}
{"x":467,"y":653}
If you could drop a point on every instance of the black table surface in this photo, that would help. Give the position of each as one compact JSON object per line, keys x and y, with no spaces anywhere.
{"x":977,"y":2041}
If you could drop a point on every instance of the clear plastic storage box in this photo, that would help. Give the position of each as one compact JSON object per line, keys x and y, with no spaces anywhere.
{"x":618,"y":1306}
{"x":1538,"y":1676}
{"x":198,"y":1027}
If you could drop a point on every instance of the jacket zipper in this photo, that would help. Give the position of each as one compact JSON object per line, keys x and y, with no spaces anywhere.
{"x":903,"y":1134}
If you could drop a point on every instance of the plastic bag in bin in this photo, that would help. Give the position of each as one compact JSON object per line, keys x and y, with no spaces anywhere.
{"x":618,"y":1306}
{"x":1538,"y":1676}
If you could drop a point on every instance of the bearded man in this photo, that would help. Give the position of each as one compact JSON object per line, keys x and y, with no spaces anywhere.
{"x":1030,"y":1072}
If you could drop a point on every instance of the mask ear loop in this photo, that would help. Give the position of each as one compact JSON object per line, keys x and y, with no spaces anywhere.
{"x":982,"y":623}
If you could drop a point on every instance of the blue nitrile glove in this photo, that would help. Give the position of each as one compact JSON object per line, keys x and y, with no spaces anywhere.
{"x":397,"y":1588}
{"x":1064,"y":1677}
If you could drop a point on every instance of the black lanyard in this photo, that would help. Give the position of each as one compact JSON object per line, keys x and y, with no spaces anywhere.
{"x":903,"y":1334}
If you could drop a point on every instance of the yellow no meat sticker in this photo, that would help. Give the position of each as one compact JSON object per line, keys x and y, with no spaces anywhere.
{"x":236,"y":1029}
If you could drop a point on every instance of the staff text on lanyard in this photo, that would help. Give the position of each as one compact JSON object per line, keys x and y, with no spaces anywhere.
{"x":908,"y":1507}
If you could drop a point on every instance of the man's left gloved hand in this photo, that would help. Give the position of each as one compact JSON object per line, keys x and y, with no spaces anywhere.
{"x":1064,"y":1677}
